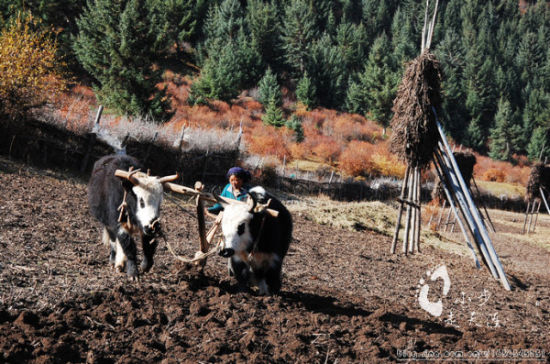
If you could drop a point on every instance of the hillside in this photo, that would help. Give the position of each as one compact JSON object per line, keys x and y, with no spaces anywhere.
{"x":348,"y":144}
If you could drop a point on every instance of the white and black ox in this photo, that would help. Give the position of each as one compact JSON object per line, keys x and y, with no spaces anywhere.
{"x":141,"y":196}
{"x":255,"y":241}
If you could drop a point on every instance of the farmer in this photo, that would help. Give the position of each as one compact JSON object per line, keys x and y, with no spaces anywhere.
{"x":236,"y":189}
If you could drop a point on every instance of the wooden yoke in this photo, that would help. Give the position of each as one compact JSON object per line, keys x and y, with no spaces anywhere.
{"x":205,"y":196}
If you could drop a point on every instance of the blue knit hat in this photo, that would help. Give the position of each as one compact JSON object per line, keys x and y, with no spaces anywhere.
{"x":239,"y":172}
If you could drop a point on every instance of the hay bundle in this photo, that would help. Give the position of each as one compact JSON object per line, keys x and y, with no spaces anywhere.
{"x":466,"y":162}
{"x":534,"y":182}
{"x":415,"y":134}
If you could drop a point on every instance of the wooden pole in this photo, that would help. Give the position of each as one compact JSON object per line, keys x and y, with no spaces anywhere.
{"x":441,"y":214}
{"x":453,"y":207}
{"x":408,"y":216}
{"x":400,"y":212}
{"x":474,"y":228}
{"x":412,"y":193}
{"x":536,"y":215}
{"x":474,"y":211}
{"x":419,"y":213}
{"x":531,"y":213}
{"x":523,"y":231}
{"x":447,"y":220}
{"x":544,"y":199}
{"x":91,"y":141}
{"x":483,"y":205}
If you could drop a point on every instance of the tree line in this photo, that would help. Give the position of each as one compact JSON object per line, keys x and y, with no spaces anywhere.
{"x":347,"y":55}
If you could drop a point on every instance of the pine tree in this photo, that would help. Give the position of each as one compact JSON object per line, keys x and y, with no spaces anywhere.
{"x":231,"y":63}
{"x":352,"y":11}
{"x":403,"y":40}
{"x":263,"y":22}
{"x":506,"y":135}
{"x":530,"y":60}
{"x":306,"y":91}
{"x":327,"y":63}
{"x":298,"y":33}
{"x":118,"y":44}
{"x":295,"y":123}
{"x":273,"y":114}
{"x":224,"y":73}
{"x":375,"y":90}
{"x":481,"y":96}
{"x":352,"y":42}
{"x":451,"y":55}
{"x":178,"y":20}
{"x":475,"y":135}
{"x":539,"y":148}
{"x":269,"y":89}
{"x":536,"y":112}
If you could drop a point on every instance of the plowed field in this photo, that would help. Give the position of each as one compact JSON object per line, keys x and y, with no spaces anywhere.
{"x":344,"y":299}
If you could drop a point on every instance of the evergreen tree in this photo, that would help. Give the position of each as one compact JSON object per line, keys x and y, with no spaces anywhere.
{"x":269,"y":89}
{"x":327,"y":63}
{"x":352,"y":42}
{"x":263,"y":22}
{"x":231,"y":62}
{"x":375,"y":90}
{"x":178,"y":19}
{"x":506,"y":135}
{"x":295,"y":123}
{"x":536,"y":112}
{"x":451,"y":55}
{"x":118,"y":44}
{"x":403,"y":41}
{"x":481,"y":96}
{"x":306,"y":91}
{"x":530,"y":60}
{"x":298,"y":33}
{"x":377,"y":17}
{"x":352,"y":11}
{"x":475,"y":135}
{"x":230,"y":67}
{"x":539,"y":148}
{"x":273,"y":114}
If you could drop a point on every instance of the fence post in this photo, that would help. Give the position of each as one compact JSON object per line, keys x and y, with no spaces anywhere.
{"x":92,"y":140}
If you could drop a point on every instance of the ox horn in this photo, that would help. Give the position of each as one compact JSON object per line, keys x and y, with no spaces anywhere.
{"x":261,"y":207}
{"x":251,"y":203}
{"x":169,"y":178}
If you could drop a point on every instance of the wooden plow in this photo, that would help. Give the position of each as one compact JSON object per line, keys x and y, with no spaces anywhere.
{"x":418,"y":139}
{"x":206,"y":245}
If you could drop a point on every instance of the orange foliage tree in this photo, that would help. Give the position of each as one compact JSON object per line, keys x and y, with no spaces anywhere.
{"x":365,"y":159}
{"x":31,"y":72}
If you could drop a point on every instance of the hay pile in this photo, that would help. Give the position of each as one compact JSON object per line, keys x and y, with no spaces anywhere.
{"x":466,"y":162}
{"x":535,"y":181}
{"x":415,"y":134}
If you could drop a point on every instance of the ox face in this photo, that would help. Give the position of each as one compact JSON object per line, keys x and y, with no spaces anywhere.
{"x":236,"y":230}
{"x":148,"y":199}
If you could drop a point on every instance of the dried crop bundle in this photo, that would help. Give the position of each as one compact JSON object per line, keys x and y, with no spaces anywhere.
{"x":415,"y":133}
{"x":534,"y":182}
{"x":466,"y":162}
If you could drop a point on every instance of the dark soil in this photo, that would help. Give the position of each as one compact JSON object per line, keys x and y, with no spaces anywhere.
{"x":345,"y":298}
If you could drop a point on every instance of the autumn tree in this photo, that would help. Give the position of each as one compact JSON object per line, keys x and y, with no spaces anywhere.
{"x":31,"y":72}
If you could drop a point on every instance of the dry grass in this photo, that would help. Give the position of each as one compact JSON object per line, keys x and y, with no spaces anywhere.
{"x":510,"y":190}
